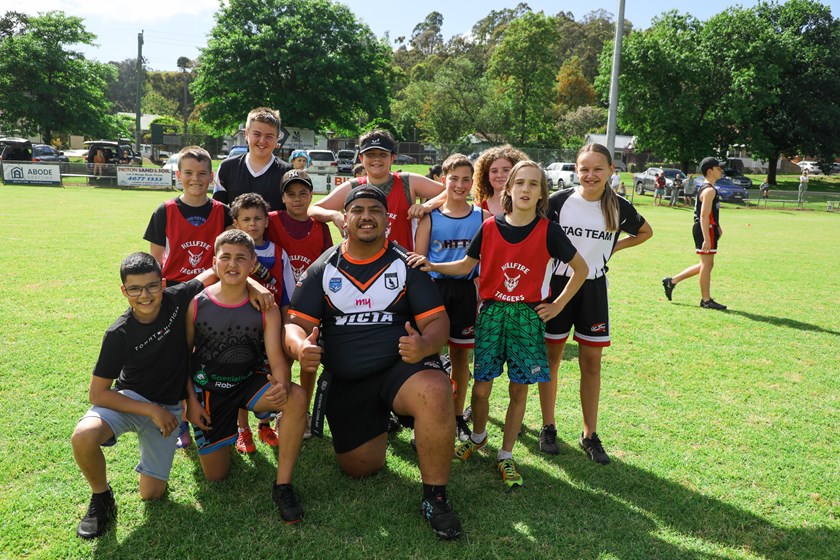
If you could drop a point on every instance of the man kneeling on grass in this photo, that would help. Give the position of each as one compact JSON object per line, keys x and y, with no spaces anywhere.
{"x":145,"y":351}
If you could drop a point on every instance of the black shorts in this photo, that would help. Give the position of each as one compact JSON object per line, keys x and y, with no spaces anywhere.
{"x":588,"y":312}
{"x":224,"y":410}
{"x":358,"y":409}
{"x":697,"y":231}
{"x":460,"y":298}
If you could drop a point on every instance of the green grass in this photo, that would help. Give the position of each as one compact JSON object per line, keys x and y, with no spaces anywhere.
{"x":722,"y":426}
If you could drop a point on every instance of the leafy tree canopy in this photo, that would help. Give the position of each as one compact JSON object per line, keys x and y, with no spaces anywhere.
{"x":311,"y":59}
{"x":45,"y":86}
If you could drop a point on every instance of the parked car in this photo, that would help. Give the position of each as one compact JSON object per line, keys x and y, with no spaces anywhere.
{"x":738,"y":177}
{"x":560,"y":175}
{"x":646,"y":180}
{"x":172,"y":165}
{"x":115,"y":153}
{"x":345,"y":161}
{"x":834,"y":169}
{"x":728,"y":190}
{"x":45,"y":153}
{"x":811,"y":166}
{"x":237,"y":151}
{"x":323,"y":162}
{"x":15,"y":149}
{"x":403,"y":159}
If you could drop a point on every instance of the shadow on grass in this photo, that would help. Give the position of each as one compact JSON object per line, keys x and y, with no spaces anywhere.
{"x":783,"y":322}
{"x":569,"y":508}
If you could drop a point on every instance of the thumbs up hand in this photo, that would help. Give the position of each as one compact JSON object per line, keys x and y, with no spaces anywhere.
{"x":309,"y":353}
{"x":411,"y":345}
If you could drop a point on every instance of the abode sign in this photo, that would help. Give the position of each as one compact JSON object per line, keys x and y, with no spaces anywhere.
{"x":25,"y":173}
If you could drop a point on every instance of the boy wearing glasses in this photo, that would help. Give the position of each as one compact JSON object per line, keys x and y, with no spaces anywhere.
{"x":145,"y":352}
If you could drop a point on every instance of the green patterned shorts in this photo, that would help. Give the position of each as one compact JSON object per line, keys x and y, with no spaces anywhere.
{"x":512,"y":333}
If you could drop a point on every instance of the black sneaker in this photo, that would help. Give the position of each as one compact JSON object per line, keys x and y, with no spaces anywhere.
{"x":101,"y":512}
{"x":462,"y":429}
{"x":290,"y":510}
{"x":548,"y":440}
{"x":594,"y":449}
{"x":438,"y":512}
{"x":712,"y":304}
{"x":669,"y":287}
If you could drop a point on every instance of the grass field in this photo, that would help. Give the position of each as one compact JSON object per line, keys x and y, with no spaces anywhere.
{"x":722,"y":426}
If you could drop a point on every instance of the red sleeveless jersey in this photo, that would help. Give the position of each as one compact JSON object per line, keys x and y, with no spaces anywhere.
{"x":301,"y":252}
{"x":399,"y":224}
{"x":189,"y":248}
{"x":514,"y":271}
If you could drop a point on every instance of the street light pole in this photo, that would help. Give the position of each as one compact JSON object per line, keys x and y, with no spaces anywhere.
{"x":616,"y":65}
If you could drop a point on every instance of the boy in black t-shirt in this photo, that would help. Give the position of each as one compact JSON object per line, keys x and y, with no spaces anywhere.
{"x":145,"y":351}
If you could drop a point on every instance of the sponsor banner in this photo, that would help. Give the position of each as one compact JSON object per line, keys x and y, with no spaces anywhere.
{"x":322,"y":184}
{"x":26,"y":173}
{"x":144,"y":177}
{"x":299,"y":139}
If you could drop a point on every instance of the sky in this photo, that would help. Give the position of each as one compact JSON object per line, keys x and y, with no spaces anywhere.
{"x":175,"y":28}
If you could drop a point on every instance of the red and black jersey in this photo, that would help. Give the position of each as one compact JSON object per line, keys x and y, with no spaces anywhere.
{"x":189,"y":248}
{"x":363,"y":306}
{"x":714,"y":216}
{"x":302,"y":250}
{"x":515,"y":272}
{"x":399,"y":201}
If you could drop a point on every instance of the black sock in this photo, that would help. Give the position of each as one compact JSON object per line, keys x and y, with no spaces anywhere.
{"x":263,"y":424}
{"x":459,"y":417}
{"x":106,"y":494}
{"x":430,"y":492}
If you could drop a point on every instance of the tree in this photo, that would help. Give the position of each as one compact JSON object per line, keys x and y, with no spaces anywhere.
{"x":312,"y":59}
{"x":581,"y":121}
{"x":426,"y":36}
{"x":45,"y":86}
{"x":122,"y":91}
{"x":573,"y":89}
{"x":523,"y":68}
{"x":668,"y":98}
{"x":794,"y":59}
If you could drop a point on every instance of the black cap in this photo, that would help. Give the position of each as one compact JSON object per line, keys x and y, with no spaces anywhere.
{"x":709,"y":163}
{"x":366,"y":191}
{"x":378,"y":142}
{"x":297,"y":175}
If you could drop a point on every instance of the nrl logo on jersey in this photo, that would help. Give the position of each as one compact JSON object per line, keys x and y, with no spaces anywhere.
{"x":335,"y":284}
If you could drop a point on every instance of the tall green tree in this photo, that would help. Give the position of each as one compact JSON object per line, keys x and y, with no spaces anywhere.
{"x":668,"y":98}
{"x":122,"y":91}
{"x":311,"y":59}
{"x":47,"y":87}
{"x":797,"y":57}
{"x":523,"y":68}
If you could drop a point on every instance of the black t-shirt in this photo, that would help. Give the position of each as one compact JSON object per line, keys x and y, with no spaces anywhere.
{"x":235,"y":178}
{"x":196,"y":215}
{"x":362,"y":307}
{"x":559,"y":246}
{"x":151,"y":359}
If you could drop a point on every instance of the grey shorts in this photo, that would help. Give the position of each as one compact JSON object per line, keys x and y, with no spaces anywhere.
{"x":156,"y":451}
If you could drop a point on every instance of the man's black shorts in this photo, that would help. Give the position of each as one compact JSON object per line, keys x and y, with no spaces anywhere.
{"x":358,"y":410}
{"x":714,"y":234}
{"x":588,"y":311}
{"x":224,"y":409}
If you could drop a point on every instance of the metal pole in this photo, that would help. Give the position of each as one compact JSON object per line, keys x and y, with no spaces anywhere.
{"x":616,"y":65}
{"x":137,"y":130}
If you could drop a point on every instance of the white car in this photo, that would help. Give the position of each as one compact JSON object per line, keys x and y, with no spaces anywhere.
{"x":172,"y":165}
{"x":811,"y":167}
{"x":324,"y":162}
{"x":561,"y":175}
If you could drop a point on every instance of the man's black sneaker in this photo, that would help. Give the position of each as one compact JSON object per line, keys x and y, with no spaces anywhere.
{"x":101,"y":512}
{"x":438,"y":512}
{"x":669,"y":287}
{"x":711,"y":304}
{"x":548,"y":440}
{"x":594,"y":449}
{"x":290,"y":510}
{"x":462,"y":429}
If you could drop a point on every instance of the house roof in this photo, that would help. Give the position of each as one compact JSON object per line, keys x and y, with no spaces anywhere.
{"x":622,"y":142}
